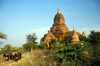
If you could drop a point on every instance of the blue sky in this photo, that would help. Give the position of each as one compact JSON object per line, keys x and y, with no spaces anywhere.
{"x":21,"y":17}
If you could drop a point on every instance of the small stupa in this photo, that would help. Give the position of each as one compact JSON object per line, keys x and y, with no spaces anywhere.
{"x":84,"y":34}
{"x":75,"y":37}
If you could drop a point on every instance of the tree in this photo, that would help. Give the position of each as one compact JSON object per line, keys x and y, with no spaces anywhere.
{"x":73,"y":55}
{"x":66,"y":40}
{"x":82,"y":38}
{"x":7,"y":48}
{"x":31,"y":39}
{"x":18,"y":49}
{"x":42,"y":44}
{"x":27,"y":47}
{"x":53,"y":42}
{"x":94,"y":39}
{"x":2,"y":36}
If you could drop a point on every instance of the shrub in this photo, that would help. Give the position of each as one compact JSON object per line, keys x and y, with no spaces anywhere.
{"x":72,"y":54}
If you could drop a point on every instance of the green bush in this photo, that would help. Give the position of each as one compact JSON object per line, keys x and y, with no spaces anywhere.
{"x":7,"y":48}
{"x":27,"y":47}
{"x":42,"y":45}
{"x":73,"y":54}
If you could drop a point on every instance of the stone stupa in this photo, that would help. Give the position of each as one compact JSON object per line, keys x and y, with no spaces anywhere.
{"x":75,"y":37}
{"x":84,"y":34}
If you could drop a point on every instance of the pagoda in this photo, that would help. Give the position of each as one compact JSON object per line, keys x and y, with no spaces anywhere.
{"x":59,"y":30}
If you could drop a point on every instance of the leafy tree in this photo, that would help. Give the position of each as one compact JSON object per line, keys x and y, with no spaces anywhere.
{"x":43,"y":44}
{"x":66,"y":40}
{"x":27,"y":47}
{"x":94,"y":39}
{"x":82,"y":38}
{"x":16,"y":49}
{"x":2,"y":36}
{"x":53,"y":42}
{"x":7,"y":48}
{"x":31,"y":39}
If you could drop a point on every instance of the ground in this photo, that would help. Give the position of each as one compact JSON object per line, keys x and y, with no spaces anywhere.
{"x":28,"y":59}
{"x":12,"y":62}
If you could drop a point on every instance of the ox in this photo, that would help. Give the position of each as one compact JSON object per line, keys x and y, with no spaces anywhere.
{"x":7,"y":56}
{"x":12,"y":56}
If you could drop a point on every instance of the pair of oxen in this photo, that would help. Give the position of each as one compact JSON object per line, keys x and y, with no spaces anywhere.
{"x":12,"y":56}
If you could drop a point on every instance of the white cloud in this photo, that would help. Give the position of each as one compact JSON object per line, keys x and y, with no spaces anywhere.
{"x":87,"y":29}
{"x":40,"y":32}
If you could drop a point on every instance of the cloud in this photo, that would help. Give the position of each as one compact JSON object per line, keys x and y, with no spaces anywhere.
{"x":40,"y":32}
{"x":88,"y":29}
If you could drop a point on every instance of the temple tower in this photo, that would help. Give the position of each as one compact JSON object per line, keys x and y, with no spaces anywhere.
{"x":59,"y":28}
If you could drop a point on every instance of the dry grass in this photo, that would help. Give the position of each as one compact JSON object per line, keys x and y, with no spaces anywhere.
{"x":35,"y":58}
{"x":3,"y":62}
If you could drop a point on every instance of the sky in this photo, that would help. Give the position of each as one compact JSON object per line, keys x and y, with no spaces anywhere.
{"x":19,"y":18}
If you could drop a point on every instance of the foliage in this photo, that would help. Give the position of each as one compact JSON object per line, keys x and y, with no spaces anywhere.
{"x":66,"y":40}
{"x":31,"y":39}
{"x":53,"y":42}
{"x":73,"y":53}
{"x":94,"y":37}
{"x":96,"y":50}
{"x":27,"y":47}
{"x":18,"y":49}
{"x":2,"y":36}
{"x":42,"y":44}
{"x":82,"y":38}
{"x":7,"y":48}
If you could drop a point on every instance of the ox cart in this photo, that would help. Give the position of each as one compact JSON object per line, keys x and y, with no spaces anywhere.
{"x":12,"y":56}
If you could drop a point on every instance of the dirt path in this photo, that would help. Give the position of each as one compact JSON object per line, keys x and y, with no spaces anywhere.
{"x":25,"y":56}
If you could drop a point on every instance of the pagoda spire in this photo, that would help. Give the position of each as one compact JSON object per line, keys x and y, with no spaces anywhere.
{"x":58,"y":10}
{"x":74,"y":29}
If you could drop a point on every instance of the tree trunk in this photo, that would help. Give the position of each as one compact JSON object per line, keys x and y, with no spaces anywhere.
{"x":31,"y":48}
